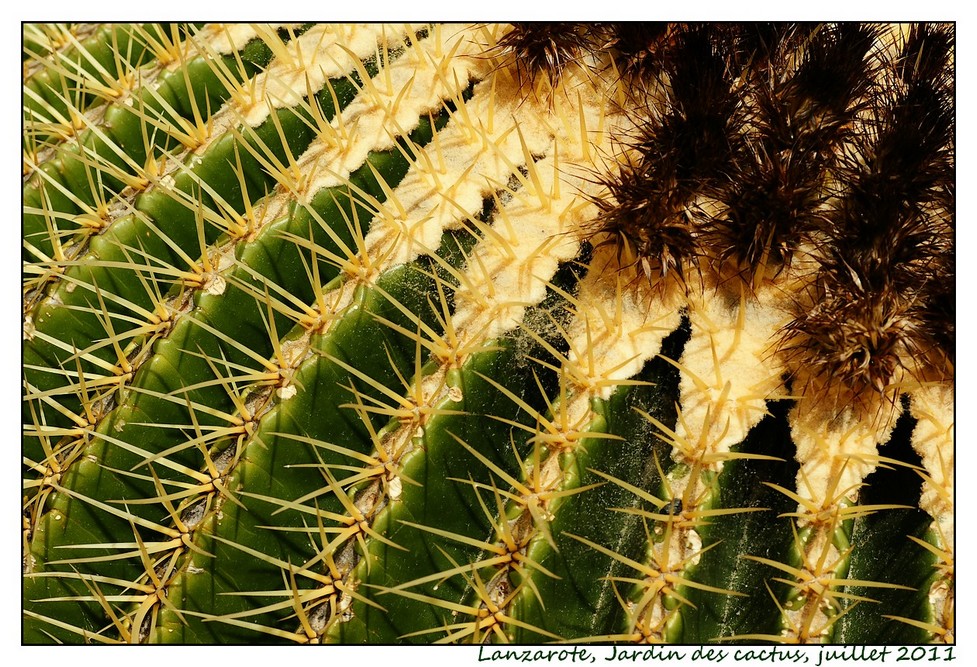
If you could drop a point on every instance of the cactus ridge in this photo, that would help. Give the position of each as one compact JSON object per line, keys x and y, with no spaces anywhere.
{"x":484,"y":333}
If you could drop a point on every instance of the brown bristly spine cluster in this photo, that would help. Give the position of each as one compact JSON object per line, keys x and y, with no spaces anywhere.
{"x":800,"y":108}
{"x":639,"y":47}
{"x":672,"y":157}
{"x":880,"y":305}
{"x":545,"y":49}
{"x":760,"y":145}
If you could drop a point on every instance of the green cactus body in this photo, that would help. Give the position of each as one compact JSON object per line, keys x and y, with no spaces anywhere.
{"x":349,"y":334}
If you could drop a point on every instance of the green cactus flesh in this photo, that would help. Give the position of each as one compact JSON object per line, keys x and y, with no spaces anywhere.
{"x":477,"y":333}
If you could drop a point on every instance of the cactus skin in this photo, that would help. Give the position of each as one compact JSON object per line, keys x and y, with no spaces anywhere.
{"x":352,"y":334}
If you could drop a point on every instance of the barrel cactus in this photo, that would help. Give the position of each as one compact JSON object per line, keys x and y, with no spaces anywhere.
{"x":488,"y":333}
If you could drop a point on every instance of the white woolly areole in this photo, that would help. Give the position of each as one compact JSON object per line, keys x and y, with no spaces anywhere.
{"x":467,"y":162}
{"x":445,"y":186}
{"x":932,"y":406}
{"x":619,"y":325}
{"x":539,"y":228}
{"x":313,"y":58}
{"x":511,"y":267}
{"x":464,"y":164}
{"x":320,"y":57}
{"x":728,"y":371}
{"x":229,"y":37}
{"x":836,"y":452}
{"x":432,"y":70}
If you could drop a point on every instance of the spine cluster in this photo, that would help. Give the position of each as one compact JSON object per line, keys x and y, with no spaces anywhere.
{"x":760,"y":147}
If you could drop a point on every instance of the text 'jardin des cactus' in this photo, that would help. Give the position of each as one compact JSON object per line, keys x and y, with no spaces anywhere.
{"x":823,"y":656}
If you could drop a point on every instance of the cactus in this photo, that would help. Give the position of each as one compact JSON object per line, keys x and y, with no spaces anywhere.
{"x":488,"y":333}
